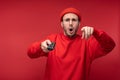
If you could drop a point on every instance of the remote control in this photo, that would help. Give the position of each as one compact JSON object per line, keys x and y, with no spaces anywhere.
{"x":51,"y":46}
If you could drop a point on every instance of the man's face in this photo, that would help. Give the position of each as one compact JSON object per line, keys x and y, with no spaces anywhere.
{"x":70,"y":24}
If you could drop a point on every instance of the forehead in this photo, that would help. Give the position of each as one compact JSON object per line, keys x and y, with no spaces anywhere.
{"x":70,"y":15}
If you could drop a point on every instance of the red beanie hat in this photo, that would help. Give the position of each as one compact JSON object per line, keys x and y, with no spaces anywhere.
{"x":70,"y":10}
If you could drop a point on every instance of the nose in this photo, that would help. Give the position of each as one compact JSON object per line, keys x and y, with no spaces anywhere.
{"x":70,"y":22}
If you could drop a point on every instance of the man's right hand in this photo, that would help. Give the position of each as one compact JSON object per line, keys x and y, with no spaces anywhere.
{"x":44,"y":45}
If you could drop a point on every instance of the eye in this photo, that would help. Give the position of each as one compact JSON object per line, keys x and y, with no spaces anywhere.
{"x":74,"y":20}
{"x":67,"y":19}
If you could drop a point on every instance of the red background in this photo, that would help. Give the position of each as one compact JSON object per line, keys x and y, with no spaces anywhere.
{"x":24,"y":22}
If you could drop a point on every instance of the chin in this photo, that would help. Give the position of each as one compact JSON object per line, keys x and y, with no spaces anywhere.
{"x":71,"y":35}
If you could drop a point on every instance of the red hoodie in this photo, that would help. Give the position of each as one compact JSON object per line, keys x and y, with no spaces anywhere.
{"x":72,"y":57}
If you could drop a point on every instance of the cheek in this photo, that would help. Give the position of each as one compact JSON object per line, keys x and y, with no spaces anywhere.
{"x":65,"y":25}
{"x":76,"y":25}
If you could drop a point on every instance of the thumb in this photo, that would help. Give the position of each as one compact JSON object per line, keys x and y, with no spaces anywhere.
{"x":82,"y":29}
{"x":48,"y":42}
{"x":83,"y":33}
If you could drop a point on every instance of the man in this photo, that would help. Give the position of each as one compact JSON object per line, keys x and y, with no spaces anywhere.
{"x":72,"y":55}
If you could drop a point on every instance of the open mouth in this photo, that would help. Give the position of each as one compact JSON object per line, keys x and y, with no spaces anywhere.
{"x":71,"y":29}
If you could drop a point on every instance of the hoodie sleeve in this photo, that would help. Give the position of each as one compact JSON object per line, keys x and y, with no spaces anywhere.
{"x":35,"y":51}
{"x":100,"y":44}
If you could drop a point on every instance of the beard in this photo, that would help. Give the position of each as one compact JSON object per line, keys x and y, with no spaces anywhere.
{"x":70,"y":32}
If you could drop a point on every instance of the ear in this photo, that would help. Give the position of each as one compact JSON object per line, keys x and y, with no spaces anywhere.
{"x":79,"y":24}
{"x":61,"y":23}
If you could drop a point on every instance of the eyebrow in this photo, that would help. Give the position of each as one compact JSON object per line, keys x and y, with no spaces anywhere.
{"x":69,"y":19}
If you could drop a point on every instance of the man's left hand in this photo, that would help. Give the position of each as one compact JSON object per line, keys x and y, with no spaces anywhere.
{"x":87,"y":31}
